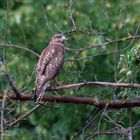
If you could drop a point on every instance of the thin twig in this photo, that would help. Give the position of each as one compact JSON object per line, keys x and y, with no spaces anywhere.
{"x":71,"y":14}
{"x":106,"y":43}
{"x":119,"y":126}
{"x":23,"y":116}
{"x":90,"y":122}
{"x":102,"y":54}
{"x":102,"y":114}
{"x":83,"y":31}
{"x":13,"y":87}
{"x":20,"y":47}
{"x":2,"y":118}
{"x":81,"y":49}
{"x":45,"y":16}
{"x":106,"y":132}
{"x":5,"y":67}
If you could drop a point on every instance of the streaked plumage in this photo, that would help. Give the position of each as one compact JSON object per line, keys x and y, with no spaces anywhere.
{"x":50,"y":63}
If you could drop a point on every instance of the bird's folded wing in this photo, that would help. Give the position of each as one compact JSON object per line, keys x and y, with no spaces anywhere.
{"x":45,"y":58}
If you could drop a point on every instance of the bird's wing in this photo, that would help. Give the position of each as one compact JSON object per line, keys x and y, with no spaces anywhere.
{"x":50,"y":62}
{"x":45,"y":57}
{"x":44,"y":60}
{"x":53,"y":67}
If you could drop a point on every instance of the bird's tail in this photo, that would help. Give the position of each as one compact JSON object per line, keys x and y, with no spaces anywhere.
{"x":38,"y":95}
{"x":39,"y":92}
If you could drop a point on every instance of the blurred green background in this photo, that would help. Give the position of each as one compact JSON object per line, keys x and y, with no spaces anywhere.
{"x":31,"y":24}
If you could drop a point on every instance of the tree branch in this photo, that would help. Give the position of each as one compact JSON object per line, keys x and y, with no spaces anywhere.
{"x":104,"y":84}
{"x":20,"y":47}
{"x":13,"y":87}
{"x":107,"y":43}
{"x":101,"y":103}
{"x":23,"y":116}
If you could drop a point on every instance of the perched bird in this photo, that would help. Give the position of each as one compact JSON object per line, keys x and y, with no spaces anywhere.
{"x":50,"y":63}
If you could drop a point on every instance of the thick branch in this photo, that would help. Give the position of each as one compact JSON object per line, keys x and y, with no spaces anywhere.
{"x":82,"y":100}
{"x":105,"y":84}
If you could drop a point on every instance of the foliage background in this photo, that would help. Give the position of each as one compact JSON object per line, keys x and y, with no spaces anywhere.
{"x":27,"y":27}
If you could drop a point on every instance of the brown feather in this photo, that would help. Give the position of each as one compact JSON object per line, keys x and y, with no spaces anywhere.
{"x":50,"y":62}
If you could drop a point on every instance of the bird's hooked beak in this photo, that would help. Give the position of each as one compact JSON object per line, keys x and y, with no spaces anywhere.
{"x":64,"y":37}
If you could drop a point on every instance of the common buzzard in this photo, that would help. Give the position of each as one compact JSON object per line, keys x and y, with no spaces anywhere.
{"x":50,"y":63}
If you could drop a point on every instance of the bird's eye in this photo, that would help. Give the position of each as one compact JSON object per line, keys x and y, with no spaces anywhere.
{"x":59,"y":36}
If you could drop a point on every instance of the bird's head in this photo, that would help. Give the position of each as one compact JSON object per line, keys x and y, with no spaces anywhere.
{"x":59,"y":38}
